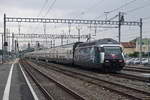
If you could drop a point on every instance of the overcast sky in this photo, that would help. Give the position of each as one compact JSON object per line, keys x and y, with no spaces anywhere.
{"x":81,"y":9}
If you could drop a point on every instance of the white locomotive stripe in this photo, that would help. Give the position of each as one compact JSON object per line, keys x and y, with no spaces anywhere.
{"x":7,"y":87}
{"x":146,"y":74}
{"x":29,"y":85}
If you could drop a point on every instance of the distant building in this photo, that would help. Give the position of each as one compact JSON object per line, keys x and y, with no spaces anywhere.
{"x":144,"y":44}
{"x":134,"y":46}
{"x":128,"y":47}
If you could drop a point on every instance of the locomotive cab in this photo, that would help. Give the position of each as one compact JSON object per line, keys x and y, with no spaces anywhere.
{"x":104,"y":54}
{"x":111,"y":57}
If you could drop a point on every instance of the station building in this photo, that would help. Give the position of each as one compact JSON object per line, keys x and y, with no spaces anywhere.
{"x":134,"y":46}
{"x":128,"y":47}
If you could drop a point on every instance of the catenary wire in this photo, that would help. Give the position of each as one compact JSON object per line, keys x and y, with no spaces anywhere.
{"x":40,"y":12}
{"x":50,"y":7}
{"x":124,"y":5}
{"x":116,"y":9}
{"x":138,"y":8}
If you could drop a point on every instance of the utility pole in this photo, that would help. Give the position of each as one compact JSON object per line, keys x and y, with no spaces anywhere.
{"x":53,"y":43}
{"x":44,"y":25}
{"x":2,"y":49}
{"x":121,"y":21}
{"x":19,"y":30}
{"x":78,"y":28}
{"x":106,"y":14}
{"x":19,"y":25}
{"x":140,"y":53}
{"x":79,"y":34}
{"x":89,"y":39}
{"x":119,"y":27}
{"x":5,"y":43}
{"x":148,"y":50}
{"x":69,"y":30}
{"x":95,"y":31}
{"x":16,"y":48}
{"x":28,"y":46}
{"x":8,"y":39}
{"x":62,"y":36}
{"x":13,"y":42}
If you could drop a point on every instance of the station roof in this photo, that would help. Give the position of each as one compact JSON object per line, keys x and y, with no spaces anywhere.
{"x":128,"y":44}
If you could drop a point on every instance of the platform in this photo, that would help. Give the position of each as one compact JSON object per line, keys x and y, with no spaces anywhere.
{"x":16,"y":85}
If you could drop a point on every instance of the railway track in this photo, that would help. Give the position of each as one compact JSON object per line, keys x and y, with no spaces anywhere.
{"x":144,"y":68}
{"x":131,"y":77}
{"x":132,"y":93}
{"x":48,"y":96}
{"x":135,"y":69}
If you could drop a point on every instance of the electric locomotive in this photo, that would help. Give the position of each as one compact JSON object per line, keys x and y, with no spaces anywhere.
{"x":105,"y":54}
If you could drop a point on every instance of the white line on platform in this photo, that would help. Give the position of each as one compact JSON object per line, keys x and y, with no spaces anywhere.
{"x":7,"y":87}
{"x":29,"y":85}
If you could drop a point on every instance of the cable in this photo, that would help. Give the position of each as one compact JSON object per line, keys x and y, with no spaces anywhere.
{"x":124,"y":5}
{"x":114,"y":17}
{"x":99,"y":16}
{"x":146,"y":18}
{"x":42,"y":7}
{"x":137,"y":33}
{"x":40,"y":12}
{"x":50,"y":7}
{"x":135,"y":9}
{"x":90,"y":8}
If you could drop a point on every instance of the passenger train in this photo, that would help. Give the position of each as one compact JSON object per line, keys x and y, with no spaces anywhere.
{"x":104,"y":54}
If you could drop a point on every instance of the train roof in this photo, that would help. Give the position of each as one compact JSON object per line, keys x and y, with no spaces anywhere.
{"x":66,"y":45}
{"x":100,"y":41}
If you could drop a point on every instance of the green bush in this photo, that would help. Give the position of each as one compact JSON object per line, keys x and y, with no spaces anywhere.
{"x":136,"y":54}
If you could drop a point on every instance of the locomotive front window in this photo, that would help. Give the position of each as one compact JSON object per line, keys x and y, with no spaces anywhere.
{"x":112,"y":50}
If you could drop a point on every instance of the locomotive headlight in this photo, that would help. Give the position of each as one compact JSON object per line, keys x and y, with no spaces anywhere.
{"x":120,"y":60}
{"x":106,"y":60}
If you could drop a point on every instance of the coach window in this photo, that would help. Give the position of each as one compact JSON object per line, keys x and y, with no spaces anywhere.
{"x":92,"y":51}
{"x":88,"y":50}
{"x":85,"y":50}
{"x":81,"y":51}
